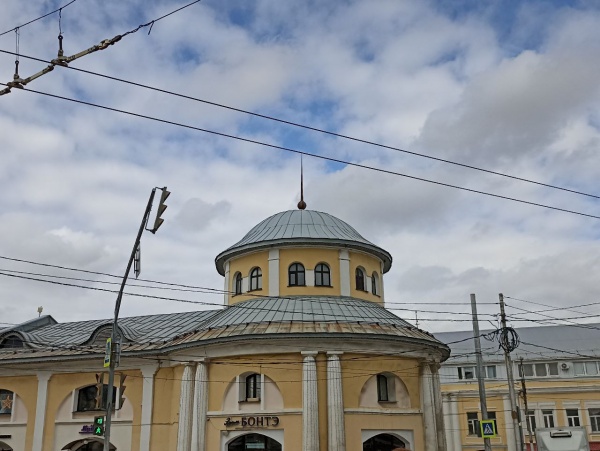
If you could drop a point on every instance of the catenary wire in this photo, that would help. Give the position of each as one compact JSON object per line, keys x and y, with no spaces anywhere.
{"x":311,"y":128}
{"x":38,"y":18}
{"x":309,"y":154}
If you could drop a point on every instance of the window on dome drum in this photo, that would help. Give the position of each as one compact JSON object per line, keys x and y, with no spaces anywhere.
{"x":296,"y":275}
{"x":573,"y":418}
{"x":360,"y":279}
{"x":586,"y":368}
{"x":7,"y":399}
{"x":594,"y":419}
{"x":238,"y":283}
{"x":88,"y":399}
{"x":322,"y":275}
{"x":253,"y":387}
{"x":256,"y":279}
{"x":375,"y":284}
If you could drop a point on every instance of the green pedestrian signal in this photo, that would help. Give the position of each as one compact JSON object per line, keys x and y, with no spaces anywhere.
{"x":98,"y":425}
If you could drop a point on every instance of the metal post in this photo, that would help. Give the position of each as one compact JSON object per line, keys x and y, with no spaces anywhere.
{"x":114,"y":335}
{"x":524,"y":392}
{"x":480,"y":379}
{"x":510,"y":377}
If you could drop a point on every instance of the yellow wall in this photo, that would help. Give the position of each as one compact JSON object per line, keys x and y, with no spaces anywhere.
{"x":165,"y":408}
{"x":244,"y":265}
{"x":370,"y":265}
{"x":26,"y":389}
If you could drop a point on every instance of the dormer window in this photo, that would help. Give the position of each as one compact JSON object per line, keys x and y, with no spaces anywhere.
{"x":12,"y":342}
{"x":360,"y":279}
{"x":296,"y":275}
{"x":238,"y":283}
{"x":256,"y":279}
{"x":322,"y":275}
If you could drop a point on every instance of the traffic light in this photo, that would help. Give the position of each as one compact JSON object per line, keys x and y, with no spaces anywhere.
{"x":99,"y":425}
{"x":122,"y":388}
{"x":161,"y":209}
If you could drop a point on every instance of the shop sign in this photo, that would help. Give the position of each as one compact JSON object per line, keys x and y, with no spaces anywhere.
{"x":87,"y":429}
{"x":253,"y":422}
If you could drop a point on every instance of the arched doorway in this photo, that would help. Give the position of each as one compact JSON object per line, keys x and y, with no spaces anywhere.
{"x":383,"y":442}
{"x":254,"y":442}
{"x":88,"y":444}
{"x":5,"y":447}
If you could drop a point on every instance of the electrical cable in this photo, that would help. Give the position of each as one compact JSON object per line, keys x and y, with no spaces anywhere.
{"x":300,"y":152}
{"x":38,"y":18}
{"x":311,"y":128}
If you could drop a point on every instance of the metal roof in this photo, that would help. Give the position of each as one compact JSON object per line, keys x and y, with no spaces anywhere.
{"x":306,"y":227}
{"x":572,"y":342}
{"x":340,"y":316}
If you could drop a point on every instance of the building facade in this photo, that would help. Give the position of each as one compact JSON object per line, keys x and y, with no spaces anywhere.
{"x":561,"y":373}
{"x":303,"y":357}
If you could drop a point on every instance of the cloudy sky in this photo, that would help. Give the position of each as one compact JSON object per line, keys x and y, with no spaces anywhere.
{"x":510,"y":87}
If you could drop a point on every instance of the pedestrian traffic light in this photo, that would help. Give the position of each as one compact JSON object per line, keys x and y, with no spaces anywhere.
{"x":99,"y":425}
{"x":161,"y":209}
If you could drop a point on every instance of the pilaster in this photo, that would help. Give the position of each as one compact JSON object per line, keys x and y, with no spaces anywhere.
{"x":148,"y":372}
{"x":344,"y":272}
{"x":40,"y":409}
{"x":274,"y":272}
{"x":200,"y":406}
{"x":335,"y":403}
{"x":427,"y":404}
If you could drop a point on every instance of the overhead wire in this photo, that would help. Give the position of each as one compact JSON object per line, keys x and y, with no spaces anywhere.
{"x":316,"y":129}
{"x":309,"y":154}
{"x":38,"y":18}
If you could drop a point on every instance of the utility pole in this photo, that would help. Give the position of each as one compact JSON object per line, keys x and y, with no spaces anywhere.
{"x":524,"y":392}
{"x":504,"y":343}
{"x":480,"y":379}
{"x":115,"y":339}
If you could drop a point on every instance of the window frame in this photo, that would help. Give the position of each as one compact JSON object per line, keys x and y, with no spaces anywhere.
{"x":473,"y":424}
{"x":255,"y":279}
{"x":548,"y":418}
{"x":383,"y":392}
{"x":360,"y":282}
{"x":375,"y":284}
{"x":4,"y":394}
{"x":322,"y":270}
{"x":252,"y":387}
{"x":237,"y":283}
{"x":573,"y":418}
{"x":296,"y":271}
{"x":585,"y":368}
{"x":530,"y":420}
{"x":533,"y":372}
{"x":462,"y":373}
{"x":594,"y":419}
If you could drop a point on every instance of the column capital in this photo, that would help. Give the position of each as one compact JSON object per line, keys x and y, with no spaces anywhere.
{"x":309,"y":353}
{"x":202,"y":360}
{"x":44,"y":376}
{"x":334,"y":353}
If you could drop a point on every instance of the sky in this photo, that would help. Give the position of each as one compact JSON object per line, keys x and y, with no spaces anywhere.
{"x":511,"y":87}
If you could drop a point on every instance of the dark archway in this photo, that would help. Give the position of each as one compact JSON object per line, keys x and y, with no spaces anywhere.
{"x":5,"y":447}
{"x":254,"y":442}
{"x":88,"y":444}
{"x":383,"y":442}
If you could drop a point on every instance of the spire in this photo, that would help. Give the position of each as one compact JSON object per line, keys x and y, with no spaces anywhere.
{"x":301,"y":204}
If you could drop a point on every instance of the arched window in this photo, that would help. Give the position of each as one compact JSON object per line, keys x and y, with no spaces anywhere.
{"x":375,"y":284}
{"x":254,"y":441}
{"x":360,"y":279}
{"x":322,"y":275}
{"x":382,"y":388}
{"x":253,"y":387}
{"x":12,"y":341}
{"x":296,"y":275}
{"x":7,"y":399}
{"x":383,"y":442}
{"x":238,"y":283}
{"x":256,"y":279}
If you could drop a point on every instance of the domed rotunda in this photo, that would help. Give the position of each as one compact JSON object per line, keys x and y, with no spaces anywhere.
{"x":303,"y":357}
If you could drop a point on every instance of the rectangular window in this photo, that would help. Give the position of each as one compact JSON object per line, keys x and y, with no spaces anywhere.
{"x":473,"y":423}
{"x":540,"y":370}
{"x":527,"y":369}
{"x":579,"y":368}
{"x":382,"y":388}
{"x":595,"y":419}
{"x":548,"y":415}
{"x":530,"y":416}
{"x":591,"y":368}
{"x":490,"y":371}
{"x":467,"y":372}
{"x":573,"y":418}
{"x":553,"y":369}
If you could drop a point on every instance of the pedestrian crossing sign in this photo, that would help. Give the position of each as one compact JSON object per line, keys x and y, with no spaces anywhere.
{"x":488,"y":428}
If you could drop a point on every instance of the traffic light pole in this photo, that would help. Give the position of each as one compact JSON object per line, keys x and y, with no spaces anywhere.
{"x":115,"y":338}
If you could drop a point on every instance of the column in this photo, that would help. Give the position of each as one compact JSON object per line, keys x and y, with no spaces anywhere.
{"x":447,"y":409}
{"x":344,"y":273}
{"x":310,"y":403}
{"x":427,"y":406}
{"x":438,"y":408}
{"x":335,"y":403}
{"x":228,"y":286}
{"x":200,"y":406}
{"x":148,"y":373}
{"x":184,"y":435}
{"x":456,"y":433}
{"x":40,"y":409}
{"x":274,"y":272}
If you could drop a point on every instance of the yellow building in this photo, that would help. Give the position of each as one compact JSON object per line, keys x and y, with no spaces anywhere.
{"x":561,"y":369}
{"x":303,"y":356}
